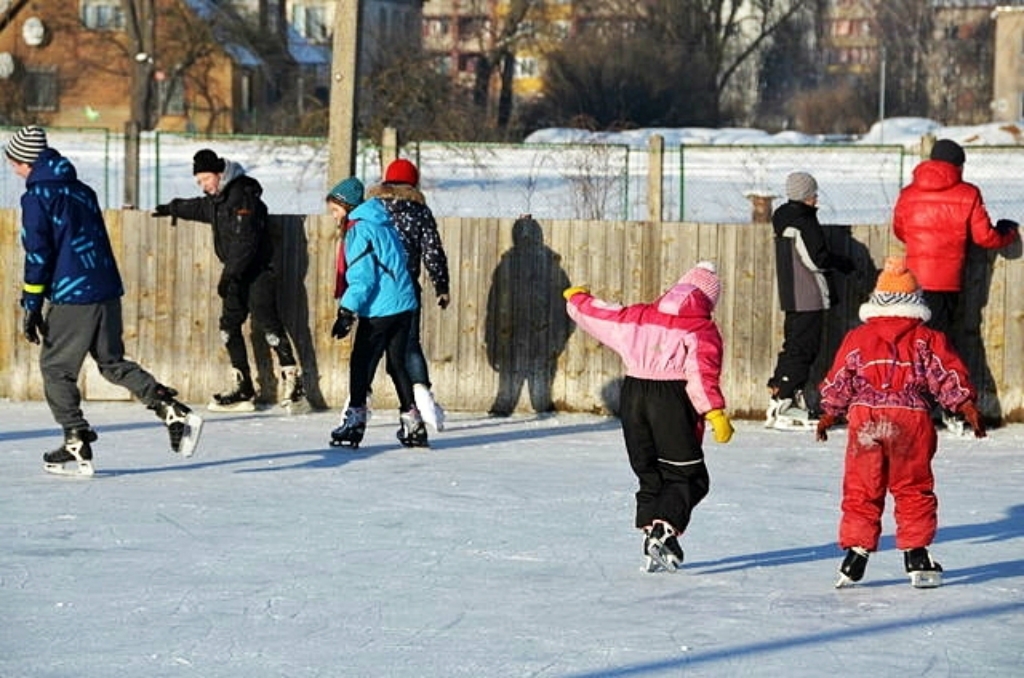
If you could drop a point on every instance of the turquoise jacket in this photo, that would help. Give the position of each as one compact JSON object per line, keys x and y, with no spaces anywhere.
{"x":376,"y":274}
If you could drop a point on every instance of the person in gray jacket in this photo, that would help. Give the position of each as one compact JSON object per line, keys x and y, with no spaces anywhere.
{"x":802,"y":258}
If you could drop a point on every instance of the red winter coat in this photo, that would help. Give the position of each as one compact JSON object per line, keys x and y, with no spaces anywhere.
{"x":936,"y":216}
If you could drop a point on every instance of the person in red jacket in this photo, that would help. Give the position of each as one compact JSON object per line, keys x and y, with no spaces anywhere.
{"x":936,"y":217}
{"x":885,"y":377}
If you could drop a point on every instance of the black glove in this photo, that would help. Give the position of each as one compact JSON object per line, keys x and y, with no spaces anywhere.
{"x":842,"y":263}
{"x":1004,"y":226}
{"x":163,"y":211}
{"x":34,"y":326}
{"x":227,"y":287}
{"x":343,"y":325}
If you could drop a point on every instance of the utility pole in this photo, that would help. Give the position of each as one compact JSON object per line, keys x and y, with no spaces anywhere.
{"x":344,"y":69}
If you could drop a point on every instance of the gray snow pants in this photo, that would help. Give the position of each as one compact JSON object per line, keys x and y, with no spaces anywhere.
{"x":77,"y":330}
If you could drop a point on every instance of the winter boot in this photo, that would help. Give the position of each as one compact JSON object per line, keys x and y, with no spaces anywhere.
{"x":241,"y":399}
{"x":353,"y":427}
{"x":294,"y":393}
{"x":183,"y":425}
{"x":432,"y":413}
{"x":661,"y":545}
{"x":412,"y":433}
{"x":924,"y":572}
{"x":76,"y":449}
{"x":853,"y":566}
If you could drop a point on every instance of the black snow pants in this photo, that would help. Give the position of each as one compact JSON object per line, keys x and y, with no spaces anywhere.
{"x":663,"y":435}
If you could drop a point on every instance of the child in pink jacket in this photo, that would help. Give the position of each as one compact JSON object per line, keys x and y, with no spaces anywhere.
{"x":885,"y":379}
{"x":672,"y":353}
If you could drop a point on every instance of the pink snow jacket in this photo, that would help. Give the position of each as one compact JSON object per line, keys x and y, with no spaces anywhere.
{"x":672,"y":339}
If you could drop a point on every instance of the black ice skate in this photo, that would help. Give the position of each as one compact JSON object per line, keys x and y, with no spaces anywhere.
{"x":294,"y":393}
{"x":241,"y":399}
{"x":76,"y":449}
{"x":413,"y":433}
{"x":661,"y":546}
{"x":183,"y":425}
{"x":924,"y":572}
{"x":353,"y":426}
{"x":852,"y":568}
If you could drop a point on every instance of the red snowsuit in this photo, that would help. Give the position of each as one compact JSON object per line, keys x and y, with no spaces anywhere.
{"x":882,"y":379}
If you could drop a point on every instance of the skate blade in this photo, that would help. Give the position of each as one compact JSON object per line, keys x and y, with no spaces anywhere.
{"x":193,"y":429}
{"x":926,"y":579}
{"x":651,"y":565}
{"x":338,"y":442}
{"x":81,"y":469}
{"x":844,"y":582}
{"x":241,"y":406}
{"x":669,"y":564}
{"x":785,"y":424}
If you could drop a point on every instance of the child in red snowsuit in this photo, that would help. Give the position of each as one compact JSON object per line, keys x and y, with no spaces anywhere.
{"x":884,"y":379}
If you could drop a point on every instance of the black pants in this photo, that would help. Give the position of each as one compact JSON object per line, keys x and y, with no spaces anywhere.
{"x":257,"y":295}
{"x":663,"y":439}
{"x":801,"y":343}
{"x":943,"y":306}
{"x":387,"y":336}
{"x":77,"y":330}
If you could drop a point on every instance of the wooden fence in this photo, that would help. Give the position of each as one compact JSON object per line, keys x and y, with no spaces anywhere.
{"x":505,"y":339}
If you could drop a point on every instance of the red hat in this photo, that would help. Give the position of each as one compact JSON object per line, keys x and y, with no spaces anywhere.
{"x":402,"y":171}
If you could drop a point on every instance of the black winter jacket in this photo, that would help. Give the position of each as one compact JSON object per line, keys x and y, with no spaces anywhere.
{"x":802,"y":258}
{"x":238,"y":217}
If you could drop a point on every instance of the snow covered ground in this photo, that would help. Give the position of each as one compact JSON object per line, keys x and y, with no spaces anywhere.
{"x":505,"y":550}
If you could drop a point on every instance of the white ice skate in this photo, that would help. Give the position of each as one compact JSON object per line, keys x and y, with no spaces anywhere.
{"x":786,"y":415}
{"x":433,"y":414}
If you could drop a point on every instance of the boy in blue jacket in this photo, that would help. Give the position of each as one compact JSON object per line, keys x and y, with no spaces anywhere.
{"x":72,"y":301}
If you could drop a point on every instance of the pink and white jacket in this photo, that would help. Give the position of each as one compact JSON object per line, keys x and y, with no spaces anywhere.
{"x":673,"y":338}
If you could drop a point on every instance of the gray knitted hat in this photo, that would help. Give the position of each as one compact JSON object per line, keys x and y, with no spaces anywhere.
{"x":801,"y":186}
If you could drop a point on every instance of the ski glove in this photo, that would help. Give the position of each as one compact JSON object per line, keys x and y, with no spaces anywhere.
{"x":973,"y":418}
{"x":721,"y":425}
{"x":343,"y":325}
{"x":34,"y":326}
{"x":826,"y":422}
{"x":570,"y":291}
{"x":1004,"y":226}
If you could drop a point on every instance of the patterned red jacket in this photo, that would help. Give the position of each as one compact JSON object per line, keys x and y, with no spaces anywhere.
{"x":896,"y":362}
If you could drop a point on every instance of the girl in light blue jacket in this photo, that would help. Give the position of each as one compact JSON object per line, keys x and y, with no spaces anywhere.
{"x":373,"y":286}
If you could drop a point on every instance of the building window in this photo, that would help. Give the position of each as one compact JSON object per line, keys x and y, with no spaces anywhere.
{"x":310,"y":21}
{"x":527,"y":67}
{"x":172,"y":96}
{"x":40,"y":89}
{"x":102,"y":14}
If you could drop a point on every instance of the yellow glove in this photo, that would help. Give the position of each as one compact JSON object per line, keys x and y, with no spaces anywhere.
{"x":721,"y":425}
{"x":570,"y":291}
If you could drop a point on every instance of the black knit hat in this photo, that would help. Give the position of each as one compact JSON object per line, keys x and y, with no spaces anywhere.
{"x":949,"y":151}
{"x":207,"y":161}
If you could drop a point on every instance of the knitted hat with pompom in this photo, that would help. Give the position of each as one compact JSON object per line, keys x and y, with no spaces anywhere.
{"x":896,"y":293}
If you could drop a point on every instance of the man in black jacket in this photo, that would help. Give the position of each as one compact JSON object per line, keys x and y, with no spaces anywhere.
{"x":802,"y":258}
{"x":231,"y":203}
